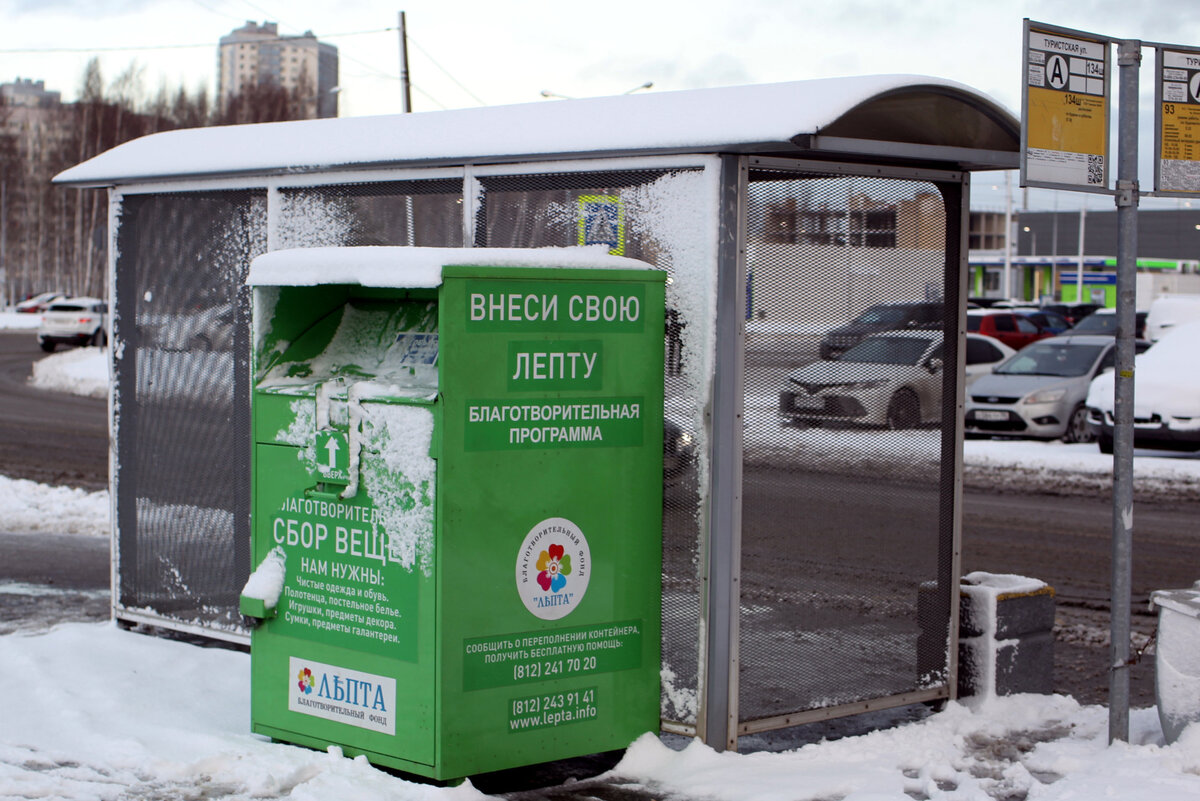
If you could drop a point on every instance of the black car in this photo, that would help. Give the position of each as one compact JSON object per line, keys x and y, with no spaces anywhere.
{"x":877,"y":318}
{"x":1072,"y":312}
{"x":1104,"y":322}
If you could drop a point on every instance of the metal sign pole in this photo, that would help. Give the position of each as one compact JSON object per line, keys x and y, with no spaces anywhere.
{"x":1129,"y":58}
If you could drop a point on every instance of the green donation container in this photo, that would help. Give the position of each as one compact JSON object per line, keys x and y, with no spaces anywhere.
{"x":457,"y":504}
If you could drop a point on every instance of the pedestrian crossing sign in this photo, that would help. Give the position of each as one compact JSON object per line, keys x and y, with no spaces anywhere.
{"x":602,"y":222}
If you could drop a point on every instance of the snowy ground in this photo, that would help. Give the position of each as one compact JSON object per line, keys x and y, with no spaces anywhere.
{"x":94,"y":712}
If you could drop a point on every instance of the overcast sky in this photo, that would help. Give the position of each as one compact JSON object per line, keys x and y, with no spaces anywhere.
{"x":474,"y":52}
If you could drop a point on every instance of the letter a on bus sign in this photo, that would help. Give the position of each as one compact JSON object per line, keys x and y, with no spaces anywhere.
{"x":1065,"y":109}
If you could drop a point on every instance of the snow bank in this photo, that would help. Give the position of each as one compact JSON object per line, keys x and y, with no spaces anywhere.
{"x":32,"y":508}
{"x":11,"y":320}
{"x":80,"y":371}
{"x":1036,"y":746}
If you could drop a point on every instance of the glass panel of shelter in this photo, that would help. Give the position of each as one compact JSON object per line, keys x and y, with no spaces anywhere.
{"x":840,"y":509}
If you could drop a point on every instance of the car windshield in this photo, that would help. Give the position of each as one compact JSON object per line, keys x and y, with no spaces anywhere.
{"x":887,"y":350}
{"x":1096,"y":324}
{"x":1052,"y":359}
{"x":884,"y":314}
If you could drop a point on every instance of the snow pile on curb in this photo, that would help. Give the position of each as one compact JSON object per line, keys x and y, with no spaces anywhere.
{"x":1044,"y":747}
{"x":1075,"y":469}
{"x":16,"y":321}
{"x":32,"y":508}
{"x":80,"y":371}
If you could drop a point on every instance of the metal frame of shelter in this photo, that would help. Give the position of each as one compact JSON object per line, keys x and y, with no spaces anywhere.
{"x":813,"y":571}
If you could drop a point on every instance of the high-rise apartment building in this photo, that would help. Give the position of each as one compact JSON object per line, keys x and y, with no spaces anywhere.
{"x":257,"y":55}
{"x":28,"y":93}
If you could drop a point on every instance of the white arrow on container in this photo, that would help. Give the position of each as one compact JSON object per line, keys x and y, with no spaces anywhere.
{"x":332,"y":447}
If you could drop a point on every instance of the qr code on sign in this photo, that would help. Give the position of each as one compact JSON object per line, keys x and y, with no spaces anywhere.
{"x":1095,"y":169}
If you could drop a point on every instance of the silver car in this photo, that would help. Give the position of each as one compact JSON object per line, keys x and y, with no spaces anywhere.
{"x":891,"y":379}
{"x":1040,"y":392}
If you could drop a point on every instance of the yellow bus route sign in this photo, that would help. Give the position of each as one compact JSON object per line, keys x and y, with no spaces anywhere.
{"x":1177,"y":132}
{"x":1065,"y":109}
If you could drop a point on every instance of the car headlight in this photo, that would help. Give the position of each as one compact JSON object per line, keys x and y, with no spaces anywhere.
{"x":685,"y":440}
{"x":1045,"y":396}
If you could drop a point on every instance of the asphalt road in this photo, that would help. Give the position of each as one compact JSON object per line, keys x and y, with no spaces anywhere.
{"x":48,"y":437}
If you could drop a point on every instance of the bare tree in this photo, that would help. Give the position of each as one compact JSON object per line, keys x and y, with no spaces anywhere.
{"x":55,"y":238}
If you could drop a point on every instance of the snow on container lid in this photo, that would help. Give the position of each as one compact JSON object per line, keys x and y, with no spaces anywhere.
{"x":413,"y":267}
{"x":1184,"y":601}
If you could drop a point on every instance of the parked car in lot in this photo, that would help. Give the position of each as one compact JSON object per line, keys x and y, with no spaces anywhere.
{"x":1166,"y":395}
{"x":1072,"y":312}
{"x":1050,"y":321}
{"x":38,"y":303}
{"x":1169,"y":311}
{"x":679,"y":450}
{"x":983,"y":354}
{"x":1006,"y":325}
{"x":877,"y":318}
{"x":1104,"y":322}
{"x":892,"y":379}
{"x":1040,"y":391}
{"x":74,"y":321}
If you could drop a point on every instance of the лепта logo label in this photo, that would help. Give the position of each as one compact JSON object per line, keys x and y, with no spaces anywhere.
{"x":553,"y":568}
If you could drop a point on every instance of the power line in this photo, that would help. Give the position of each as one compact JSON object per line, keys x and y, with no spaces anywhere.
{"x":93,"y":49}
{"x":446,"y":72}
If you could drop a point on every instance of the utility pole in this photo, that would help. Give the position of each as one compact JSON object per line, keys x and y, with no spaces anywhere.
{"x":405,"y":87}
{"x":1006,"y":288}
{"x":1079,"y":272}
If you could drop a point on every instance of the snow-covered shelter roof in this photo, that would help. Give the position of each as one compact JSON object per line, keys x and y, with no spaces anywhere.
{"x":910,"y":118}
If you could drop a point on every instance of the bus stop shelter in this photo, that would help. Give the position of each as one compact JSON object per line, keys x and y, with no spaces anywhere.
{"x":810,"y":568}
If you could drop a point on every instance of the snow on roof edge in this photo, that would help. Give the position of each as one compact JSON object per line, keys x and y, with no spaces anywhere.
{"x":648,"y":122}
{"x":414,"y":267}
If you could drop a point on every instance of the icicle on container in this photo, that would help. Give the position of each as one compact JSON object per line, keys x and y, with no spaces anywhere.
{"x":457,"y":504}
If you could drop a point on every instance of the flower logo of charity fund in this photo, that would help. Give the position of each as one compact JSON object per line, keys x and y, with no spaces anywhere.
{"x":305,"y":681}
{"x":555,"y":566}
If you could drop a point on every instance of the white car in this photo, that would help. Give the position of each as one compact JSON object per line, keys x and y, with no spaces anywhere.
{"x":74,"y":321}
{"x":983,"y":354}
{"x":1170,"y":311}
{"x":1166,"y":395}
{"x":891,"y":379}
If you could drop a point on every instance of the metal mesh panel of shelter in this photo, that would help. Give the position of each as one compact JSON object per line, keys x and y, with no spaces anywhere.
{"x":418,"y":213}
{"x":637,"y":213}
{"x":181,"y":403}
{"x":845,"y":535}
